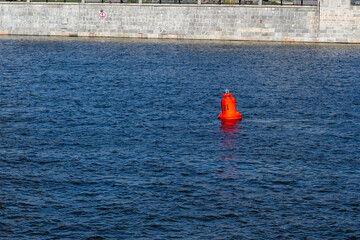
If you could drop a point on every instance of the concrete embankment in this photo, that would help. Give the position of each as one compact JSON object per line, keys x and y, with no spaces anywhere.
{"x":328,"y":23}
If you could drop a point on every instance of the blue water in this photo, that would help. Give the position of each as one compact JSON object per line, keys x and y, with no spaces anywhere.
{"x":119,"y":139}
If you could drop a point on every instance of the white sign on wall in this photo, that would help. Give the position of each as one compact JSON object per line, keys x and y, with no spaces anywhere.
{"x":102,"y":14}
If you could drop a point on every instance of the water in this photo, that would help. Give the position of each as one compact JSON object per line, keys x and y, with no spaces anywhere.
{"x":119,"y":139}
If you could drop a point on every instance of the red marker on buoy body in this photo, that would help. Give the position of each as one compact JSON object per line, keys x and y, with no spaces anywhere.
{"x":228,"y":107}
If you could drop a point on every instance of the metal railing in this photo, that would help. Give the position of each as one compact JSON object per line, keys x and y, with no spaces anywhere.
{"x":64,"y":1}
{"x":219,"y":2}
{"x":291,"y":2}
{"x":226,"y":2}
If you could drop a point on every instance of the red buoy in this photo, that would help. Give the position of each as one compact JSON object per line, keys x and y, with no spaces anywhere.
{"x":228,"y":107}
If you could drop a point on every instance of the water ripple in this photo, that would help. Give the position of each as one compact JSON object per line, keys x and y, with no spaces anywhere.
{"x":119,"y":139}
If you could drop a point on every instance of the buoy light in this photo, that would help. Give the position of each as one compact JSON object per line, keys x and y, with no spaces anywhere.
{"x":228,"y":107}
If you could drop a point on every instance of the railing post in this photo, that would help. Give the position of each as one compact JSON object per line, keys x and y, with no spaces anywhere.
{"x":82,"y":1}
{"x":199,"y":2}
{"x":260,"y":2}
{"x":27,"y":1}
{"x":140,"y":2}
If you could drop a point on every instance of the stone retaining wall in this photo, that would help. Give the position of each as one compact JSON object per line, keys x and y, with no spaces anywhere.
{"x":225,"y":22}
{"x":340,"y":25}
